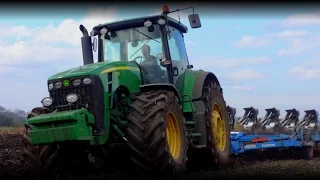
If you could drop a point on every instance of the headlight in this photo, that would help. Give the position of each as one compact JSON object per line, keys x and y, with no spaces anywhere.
{"x":76,"y":82}
{"x":71,"y":98}
{"x":57,"y":85}
{"x":161,"y":21}
{"x":50,"y":86}
{"x":47,"y":101}
{"x":87,"y":81}
{"x":147,"y":23}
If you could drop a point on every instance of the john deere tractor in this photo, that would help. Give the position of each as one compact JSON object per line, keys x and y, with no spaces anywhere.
{"x":141,"y":95}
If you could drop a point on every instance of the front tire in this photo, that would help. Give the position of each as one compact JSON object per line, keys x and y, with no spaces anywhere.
{"x":42,"y":159}
{"x":218,"y":129}
{"x":156,"y":133}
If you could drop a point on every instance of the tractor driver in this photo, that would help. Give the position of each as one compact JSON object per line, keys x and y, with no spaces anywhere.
{"x":151,"y":66}
{"x":149,"y":59}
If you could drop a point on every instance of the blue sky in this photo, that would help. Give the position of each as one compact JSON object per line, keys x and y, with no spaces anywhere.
{"x":262,"y":58}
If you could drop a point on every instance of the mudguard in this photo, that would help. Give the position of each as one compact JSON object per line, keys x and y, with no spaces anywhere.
{"x":157,"y":86}
{"x":192,"y":87}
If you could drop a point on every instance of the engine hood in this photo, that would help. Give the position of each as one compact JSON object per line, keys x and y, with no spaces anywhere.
{"x":96,"y":69}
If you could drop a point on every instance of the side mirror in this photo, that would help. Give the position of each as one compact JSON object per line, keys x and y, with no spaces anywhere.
{"x":194,"y":21}
{"x":94,"y":44}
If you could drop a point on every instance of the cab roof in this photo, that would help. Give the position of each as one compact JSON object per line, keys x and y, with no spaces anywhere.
{"x":138,"y":22}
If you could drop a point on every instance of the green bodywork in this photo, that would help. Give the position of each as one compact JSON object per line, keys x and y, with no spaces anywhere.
{"x":123,"y":76}
{"x":62,"y":126}
{"x":76,"y":125}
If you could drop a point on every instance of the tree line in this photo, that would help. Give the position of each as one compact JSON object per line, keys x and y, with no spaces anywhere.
{"x":12,"y":117}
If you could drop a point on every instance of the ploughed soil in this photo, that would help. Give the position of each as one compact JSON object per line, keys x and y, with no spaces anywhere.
{"x":253,"y":164}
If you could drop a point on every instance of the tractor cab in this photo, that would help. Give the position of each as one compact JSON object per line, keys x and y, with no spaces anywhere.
{"x":154,"y":43}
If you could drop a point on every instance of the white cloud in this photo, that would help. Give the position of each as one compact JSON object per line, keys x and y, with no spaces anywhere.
{"x":242,"y":88}
{"x":214,"y":62}
{"x":40,"y":45}
{"x":309,"y":69}
{"x":300,"y":45}
{"x":288,"y":34}
{"x":68,"y":30}
{"x":190,"y":44}
{"x":244,"y":74}
{"x":305,"y":73}
{"x":251,"y":42}
{"x":15,"y":31}
{"x":55,"y":48}
{"x":22,"y":52}
{"x":308,"y":19}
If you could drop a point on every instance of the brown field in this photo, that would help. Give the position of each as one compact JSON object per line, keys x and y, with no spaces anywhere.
{"x":12,"y":163}
{"x":11,"y":130}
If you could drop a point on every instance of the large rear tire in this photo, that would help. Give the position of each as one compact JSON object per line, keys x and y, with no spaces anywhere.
{"x":157,"y":134}
{"x":218,"y":129}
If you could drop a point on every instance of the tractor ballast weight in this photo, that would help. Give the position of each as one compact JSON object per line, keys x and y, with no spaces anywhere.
{"x":231,"y":112}
{"x":154,"y":108}
{"x":249,"y":120}
{"x":270,"y":122}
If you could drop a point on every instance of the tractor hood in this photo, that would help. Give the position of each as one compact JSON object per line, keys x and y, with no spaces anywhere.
{"x":96,"y":69}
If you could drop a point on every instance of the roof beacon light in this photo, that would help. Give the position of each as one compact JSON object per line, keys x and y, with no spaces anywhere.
{"x":165,"y":9}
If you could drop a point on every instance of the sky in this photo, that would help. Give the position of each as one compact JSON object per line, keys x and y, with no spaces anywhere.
{"x":262,"y":57}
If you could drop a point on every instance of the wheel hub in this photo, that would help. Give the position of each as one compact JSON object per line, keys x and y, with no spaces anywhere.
{"x":173,"y":135}
{"x":218,"y":128}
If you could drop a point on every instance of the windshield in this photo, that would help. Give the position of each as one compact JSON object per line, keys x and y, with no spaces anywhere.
{"x":126,"y":45}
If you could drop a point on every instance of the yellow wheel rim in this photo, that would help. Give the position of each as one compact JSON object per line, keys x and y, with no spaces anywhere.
{"x":218,"y":128}
{"x":173,"y":135}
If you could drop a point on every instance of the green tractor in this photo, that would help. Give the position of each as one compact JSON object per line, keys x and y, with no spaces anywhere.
{"x":141,"y":96}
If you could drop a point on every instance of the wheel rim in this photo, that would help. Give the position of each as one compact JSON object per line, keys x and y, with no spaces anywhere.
{"x":218,"y":128}
{"x":173,"y":135}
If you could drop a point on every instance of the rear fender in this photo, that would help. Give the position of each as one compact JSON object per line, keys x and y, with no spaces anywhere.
{"x":193,"y":85}
{"x":192,"y":93}
{"x":158,"y":86}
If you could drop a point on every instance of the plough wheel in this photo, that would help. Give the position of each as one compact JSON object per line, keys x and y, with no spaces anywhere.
{"x":218,"y":130}
{"x":308,"y":150}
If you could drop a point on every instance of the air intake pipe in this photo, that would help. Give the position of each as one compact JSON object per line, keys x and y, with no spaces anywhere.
{"x":86,"y":46}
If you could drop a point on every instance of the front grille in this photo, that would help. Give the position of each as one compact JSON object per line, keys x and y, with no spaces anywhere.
{"x":84,"y":94}
{"x":89,"y":96}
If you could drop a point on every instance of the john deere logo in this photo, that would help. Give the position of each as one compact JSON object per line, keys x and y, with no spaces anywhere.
{"x":66,"y":83}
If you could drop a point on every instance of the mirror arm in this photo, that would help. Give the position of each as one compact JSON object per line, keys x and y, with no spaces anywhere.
{"x":182,"y":9}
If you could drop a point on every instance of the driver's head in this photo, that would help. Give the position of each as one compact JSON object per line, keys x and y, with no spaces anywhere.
{"x":145,"y":50}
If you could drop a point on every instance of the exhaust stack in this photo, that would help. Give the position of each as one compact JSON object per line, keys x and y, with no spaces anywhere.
{"x":86,"y":46}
